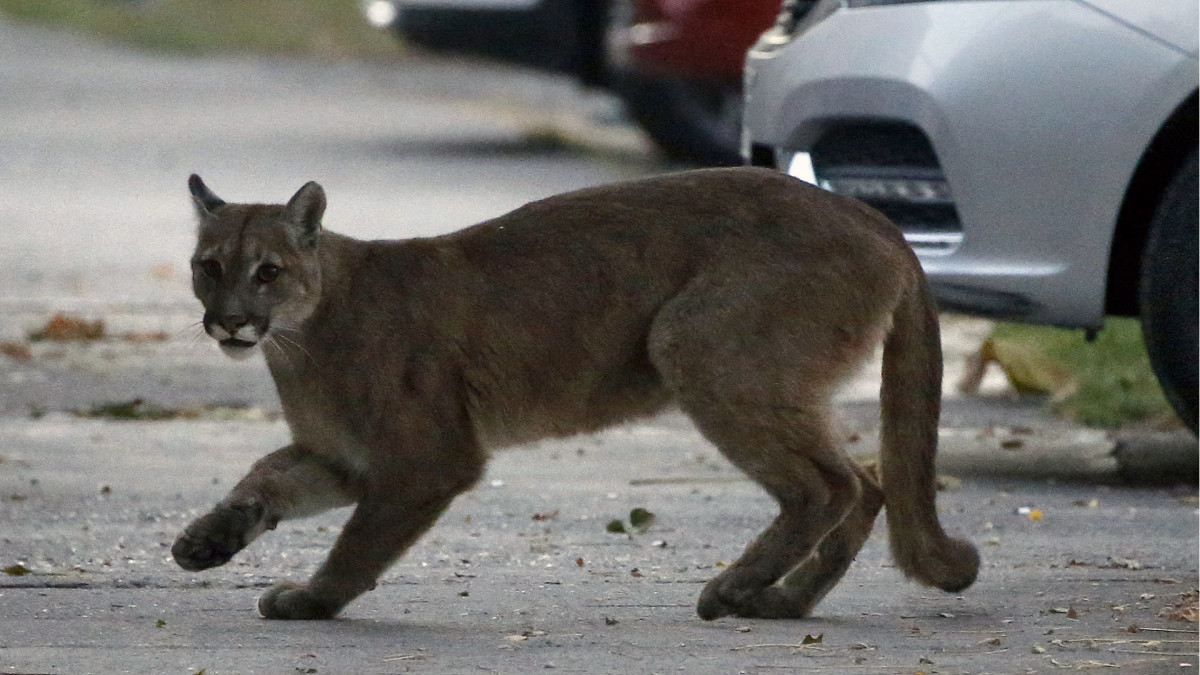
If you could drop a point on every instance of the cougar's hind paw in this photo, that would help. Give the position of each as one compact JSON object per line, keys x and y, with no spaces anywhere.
{"x":721,"y":598}
{"x":293,"y":601}
{"x":731,"y":593}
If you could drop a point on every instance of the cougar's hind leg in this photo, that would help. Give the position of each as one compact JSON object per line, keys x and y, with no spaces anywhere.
{"x":759,"y":389}
{"x":815,"y":490}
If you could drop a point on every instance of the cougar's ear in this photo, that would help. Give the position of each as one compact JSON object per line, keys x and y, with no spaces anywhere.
{"x":304,"y":212}
{"x":203,"y":199}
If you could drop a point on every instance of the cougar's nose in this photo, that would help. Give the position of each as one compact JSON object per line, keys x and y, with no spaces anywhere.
{"x":232,"y":322}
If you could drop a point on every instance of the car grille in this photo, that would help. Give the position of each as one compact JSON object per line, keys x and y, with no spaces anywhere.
{"x":893,"y":168}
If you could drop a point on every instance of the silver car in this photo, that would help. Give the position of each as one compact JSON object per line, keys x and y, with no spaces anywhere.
{"x":1040,"y":155}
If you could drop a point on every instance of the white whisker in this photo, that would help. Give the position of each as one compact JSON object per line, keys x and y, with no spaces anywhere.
{"x":189,"y":330}
{"x":269,"y":341}
{"x":281,"y":335}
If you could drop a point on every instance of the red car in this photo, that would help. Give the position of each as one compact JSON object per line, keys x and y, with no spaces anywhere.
{"x":676,"y":64}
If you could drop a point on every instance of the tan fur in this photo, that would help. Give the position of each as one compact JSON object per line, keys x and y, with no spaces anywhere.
{"x":742,"y":295}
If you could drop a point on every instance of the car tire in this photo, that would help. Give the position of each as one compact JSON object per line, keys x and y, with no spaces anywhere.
{"x":690,"y":120}
{"x":1168,"y":290}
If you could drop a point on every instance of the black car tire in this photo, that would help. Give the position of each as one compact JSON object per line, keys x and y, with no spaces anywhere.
{"x":692,"y":121}
{"x":1168,"y":292}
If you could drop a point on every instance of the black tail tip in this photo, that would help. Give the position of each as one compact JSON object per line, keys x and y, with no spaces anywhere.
{"x":962,"y":566}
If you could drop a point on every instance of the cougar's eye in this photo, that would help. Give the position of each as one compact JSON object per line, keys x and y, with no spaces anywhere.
{"x":267,"y":273}
{"x":210,"y":268}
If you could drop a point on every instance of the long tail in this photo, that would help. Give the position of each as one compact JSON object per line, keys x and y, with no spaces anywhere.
{"x":911,"y":399}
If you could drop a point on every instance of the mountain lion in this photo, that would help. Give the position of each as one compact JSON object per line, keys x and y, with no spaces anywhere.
{"x":743,"y":296}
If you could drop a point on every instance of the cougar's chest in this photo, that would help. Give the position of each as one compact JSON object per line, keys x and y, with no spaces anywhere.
{"x":314,"y":416}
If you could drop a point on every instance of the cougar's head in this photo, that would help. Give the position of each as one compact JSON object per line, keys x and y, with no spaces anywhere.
{"x":255,"y":268}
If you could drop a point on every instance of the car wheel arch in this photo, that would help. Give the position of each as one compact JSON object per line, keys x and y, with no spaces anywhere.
{"x":1171,"y":146}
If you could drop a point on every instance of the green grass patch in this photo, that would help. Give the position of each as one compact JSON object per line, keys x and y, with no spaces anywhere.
{"x":333,"y":29}
{"x":1116,"y":386}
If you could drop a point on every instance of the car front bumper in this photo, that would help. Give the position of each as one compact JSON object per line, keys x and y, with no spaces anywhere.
{"x":1001,"y":136}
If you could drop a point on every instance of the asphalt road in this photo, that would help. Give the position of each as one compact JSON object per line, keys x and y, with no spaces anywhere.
{"x":1081,"y":568}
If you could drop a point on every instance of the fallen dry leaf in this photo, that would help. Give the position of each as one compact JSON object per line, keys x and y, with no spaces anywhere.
{"x":18,"y":570}
{"x":1028,"y":369}
{"x":1187,"y":609}
{"x":69,"y":327}
{"x":17,"y":351}
{"x":140,"y":409}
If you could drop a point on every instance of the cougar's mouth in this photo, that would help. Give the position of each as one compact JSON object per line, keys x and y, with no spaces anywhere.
{"x":235,"y":348}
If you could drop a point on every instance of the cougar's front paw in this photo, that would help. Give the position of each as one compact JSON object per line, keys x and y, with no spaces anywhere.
{"x":293,"y":601}
{"x":213,"y":539}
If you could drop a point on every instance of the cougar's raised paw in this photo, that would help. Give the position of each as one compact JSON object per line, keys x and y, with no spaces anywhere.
{"x":213,"y":539}
{"x":293,"y":601}
{"x":195,"y":554}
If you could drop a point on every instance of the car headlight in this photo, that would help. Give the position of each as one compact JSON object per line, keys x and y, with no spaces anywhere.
{"x":380,"y":13}
{"x":793,"y":17}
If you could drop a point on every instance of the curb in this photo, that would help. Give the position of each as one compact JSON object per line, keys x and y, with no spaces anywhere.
{"x":1074,"y":455}
{"x":1159,"y":458}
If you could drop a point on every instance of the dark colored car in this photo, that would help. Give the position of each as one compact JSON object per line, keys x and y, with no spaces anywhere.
{"x":676,"y":64}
